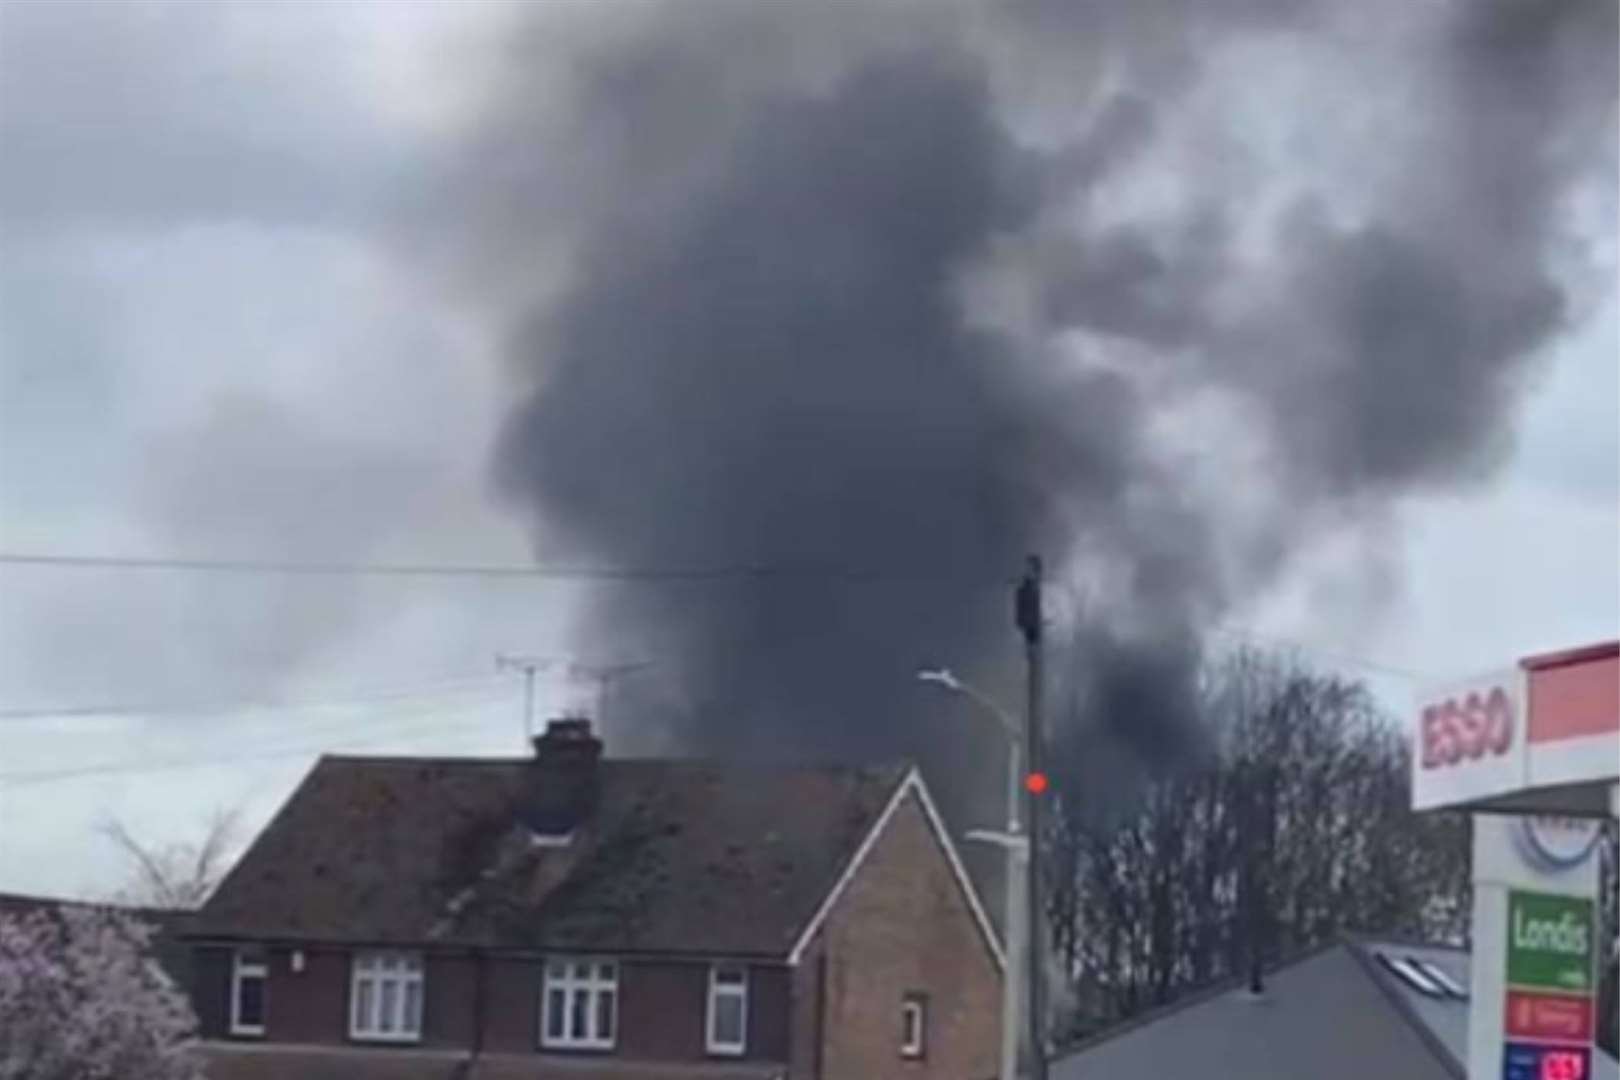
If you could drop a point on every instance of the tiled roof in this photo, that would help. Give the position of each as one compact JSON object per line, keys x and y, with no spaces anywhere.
{"x":678,"y":856}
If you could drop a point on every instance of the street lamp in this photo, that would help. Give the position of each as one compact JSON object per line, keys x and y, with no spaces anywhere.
{"x":1016,"y":846}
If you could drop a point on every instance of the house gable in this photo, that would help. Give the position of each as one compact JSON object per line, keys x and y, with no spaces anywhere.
{"x":911,"y":789}
{"x":901,"y":948}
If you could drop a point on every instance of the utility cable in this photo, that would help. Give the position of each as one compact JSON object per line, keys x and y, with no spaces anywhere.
{"x":721,"y":572}
{"x":250,"y":752}
{"x":295,"y":703}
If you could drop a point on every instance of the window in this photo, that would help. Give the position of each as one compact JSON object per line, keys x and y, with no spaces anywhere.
{"x":386,"y":997}
{"x":580,"y":1005}
{"x":728,"y":1009}
{"x":249,"y":975}
{"x":913,"y":1025}
{"x":1412,"y":975}
{"x":1439,"y":978}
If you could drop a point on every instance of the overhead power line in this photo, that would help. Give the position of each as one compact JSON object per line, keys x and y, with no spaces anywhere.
{"x":649,"y":573}
{"x":1276,"y":641}
{"x":260,"y":751}
{"x":251,"y":703}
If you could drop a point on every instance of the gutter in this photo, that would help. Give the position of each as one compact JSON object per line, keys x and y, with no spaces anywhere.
{"x":820,"y":1045}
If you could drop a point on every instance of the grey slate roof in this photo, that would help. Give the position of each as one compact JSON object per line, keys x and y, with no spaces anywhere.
{"x":1335,"y":1013}
{"x":679,"y":856}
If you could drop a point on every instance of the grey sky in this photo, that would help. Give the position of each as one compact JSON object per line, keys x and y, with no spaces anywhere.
{"x":215,"y":342}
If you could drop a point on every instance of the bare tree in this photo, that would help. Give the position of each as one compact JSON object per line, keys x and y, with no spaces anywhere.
{"x":1287,"y":822}
{"x":179,"y":876}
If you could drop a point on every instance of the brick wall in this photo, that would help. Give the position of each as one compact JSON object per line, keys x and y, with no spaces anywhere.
{"x":312,"y":1006}
{"x":768,"y":1002}
{"x":662,"y":1004}
{"x":661,"y":1010}
{"x":807,"y":1008}
{"x":902,"y":926}
{"x":511,"y":1004}
{"x":210,"y":990}
{"x":309,"y":1006}
{"x":450,"y":1002}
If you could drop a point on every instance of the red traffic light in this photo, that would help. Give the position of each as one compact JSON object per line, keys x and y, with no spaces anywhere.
{"x":1035,"y":782}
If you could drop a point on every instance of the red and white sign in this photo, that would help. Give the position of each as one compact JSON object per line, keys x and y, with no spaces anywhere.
{"x":1551,"y":721}
{"x":1469,"y":740}
{"x":1574,"y":701}
{"x":1535,"y":1015}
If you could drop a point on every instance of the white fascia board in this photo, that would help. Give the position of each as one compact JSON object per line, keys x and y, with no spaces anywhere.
{"x":911,"y":783}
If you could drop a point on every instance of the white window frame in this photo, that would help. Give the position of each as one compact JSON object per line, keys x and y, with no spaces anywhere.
{"x":726,"y":981}
{"x":575,"y":977}
{"x":913,"y":1026}
{"x":373,"y":973}
{"x":245,"y":965}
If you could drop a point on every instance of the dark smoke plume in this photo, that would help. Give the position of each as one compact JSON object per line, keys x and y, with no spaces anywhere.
{"x":872,"y":298}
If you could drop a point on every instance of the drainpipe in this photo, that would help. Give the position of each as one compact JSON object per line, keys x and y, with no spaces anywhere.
{"x":478,"y":1010}
{"x":821,"y":1013}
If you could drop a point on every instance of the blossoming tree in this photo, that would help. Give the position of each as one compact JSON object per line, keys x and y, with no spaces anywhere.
{"x":80,"y":999}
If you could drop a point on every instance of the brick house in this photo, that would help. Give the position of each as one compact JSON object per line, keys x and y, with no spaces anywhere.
{"x":565,"y":915}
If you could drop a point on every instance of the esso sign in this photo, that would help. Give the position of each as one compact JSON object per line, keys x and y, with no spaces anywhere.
{"x":1468,"y":740}
{"x":1467,"y":727}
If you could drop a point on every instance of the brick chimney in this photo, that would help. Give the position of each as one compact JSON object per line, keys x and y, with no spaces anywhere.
{"x":562,"y":783}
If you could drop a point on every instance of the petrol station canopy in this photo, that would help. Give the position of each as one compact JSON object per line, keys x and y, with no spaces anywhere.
{"x":1538,"y":736}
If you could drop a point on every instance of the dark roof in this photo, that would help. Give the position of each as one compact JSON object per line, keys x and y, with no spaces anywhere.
{"x":1337,"y":1011}
{"x":678,"y":857}
{"x":165,"y":946}
{"x":25,"y":903}
{"x":28,"y":904}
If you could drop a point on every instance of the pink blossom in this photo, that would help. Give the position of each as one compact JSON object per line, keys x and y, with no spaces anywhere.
{"x":80,"y":999}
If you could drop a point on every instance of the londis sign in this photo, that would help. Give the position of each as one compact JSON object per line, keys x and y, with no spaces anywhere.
{"x":1549,"y":941}
{"x":1547,"y":1007}
{"x":1469,"y":740}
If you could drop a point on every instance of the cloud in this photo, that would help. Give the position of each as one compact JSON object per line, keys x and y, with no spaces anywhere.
{"x":141,"y":115}
{"x":758,"y":352}
{"x":1224,"y":253}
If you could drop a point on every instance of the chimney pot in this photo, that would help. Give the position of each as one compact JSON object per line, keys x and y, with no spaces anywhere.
{"x":562,"y":787}
{"x":567,"y":735}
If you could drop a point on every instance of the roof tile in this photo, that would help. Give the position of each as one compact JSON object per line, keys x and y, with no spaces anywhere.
{"x":679,"y":856}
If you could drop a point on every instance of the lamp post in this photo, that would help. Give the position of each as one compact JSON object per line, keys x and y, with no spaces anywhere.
{"x":1031,"y":623}
{"x":1016,"y":846}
